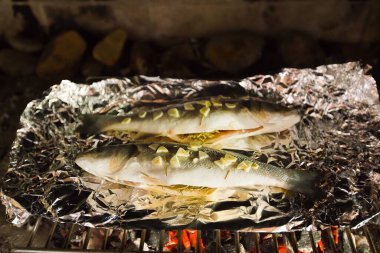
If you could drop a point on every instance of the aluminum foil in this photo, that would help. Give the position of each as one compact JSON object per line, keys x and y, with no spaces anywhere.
{"x":339,"y":135}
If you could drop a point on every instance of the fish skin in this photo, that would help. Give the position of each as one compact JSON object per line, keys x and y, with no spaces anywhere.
{"x":256,"y":115}
{"x":138,"y":163}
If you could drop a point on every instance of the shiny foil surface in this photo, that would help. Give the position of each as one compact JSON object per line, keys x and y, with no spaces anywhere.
{"x":339,"y":136}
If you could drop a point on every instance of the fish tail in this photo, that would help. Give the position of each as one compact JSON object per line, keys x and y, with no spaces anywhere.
{"x":305,"y":182}
{"x":92,"y":124}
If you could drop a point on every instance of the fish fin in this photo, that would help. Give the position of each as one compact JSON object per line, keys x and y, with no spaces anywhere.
{"x":305,"y":182}
{"x":92,"y":124}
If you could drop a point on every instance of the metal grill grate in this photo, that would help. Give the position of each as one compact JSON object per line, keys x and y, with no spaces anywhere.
{"x":288,"y":237}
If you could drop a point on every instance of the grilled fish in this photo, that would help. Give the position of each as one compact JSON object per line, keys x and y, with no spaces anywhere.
{"x":208,"y":120}
{"x":170,"y":164}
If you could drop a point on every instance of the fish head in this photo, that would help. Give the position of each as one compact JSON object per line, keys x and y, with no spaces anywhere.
{"x":106,"y":160}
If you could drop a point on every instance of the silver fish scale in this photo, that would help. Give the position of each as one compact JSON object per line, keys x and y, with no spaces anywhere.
{"x":197,"y":105}
{"x":176,"y":164}
{"x":263,"y":169}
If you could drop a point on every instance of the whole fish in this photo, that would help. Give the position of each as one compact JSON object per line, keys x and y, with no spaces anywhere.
{"x":169,"y":164}
{"x":202,"y":120}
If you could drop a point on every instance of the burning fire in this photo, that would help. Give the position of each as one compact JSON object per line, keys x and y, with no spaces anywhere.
{"x":321,"y":246}
{"x":189,"y":240}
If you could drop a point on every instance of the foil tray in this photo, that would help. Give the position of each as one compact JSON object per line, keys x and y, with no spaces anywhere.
{"x":339,"y":135}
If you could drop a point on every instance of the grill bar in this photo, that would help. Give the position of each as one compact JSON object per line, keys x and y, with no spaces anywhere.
{"x":350,"y":239}
{"x":180,"y":244}
{"x":293,"y":241}
{"x":275,"y":242}
{"x":217,"y":236}
{"x":331,"y":239}
{"x":33,"y":234}
{"x":142,"y":239}
{"x":51,"y":233}
{"x":369,"y":239}
{"x":285,"y":239}
{"x":68,"y":237}
{"x":199,"y":237}
{"x":161,"y":241}
{"x":106,"y":236}
{"x":256,"y":239}
{"x":312,"y":242}
{"x":123,"y":240}
{"x":218,"y":241}
{"x":87,"y":238}
{"x":237,"y":242}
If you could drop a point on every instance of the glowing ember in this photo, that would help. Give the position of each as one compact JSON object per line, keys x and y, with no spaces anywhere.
{"x":189,"y":240}
{"x":322,"y":245}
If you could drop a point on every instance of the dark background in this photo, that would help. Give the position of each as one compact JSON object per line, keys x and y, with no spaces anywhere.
{"x":44,"y":42}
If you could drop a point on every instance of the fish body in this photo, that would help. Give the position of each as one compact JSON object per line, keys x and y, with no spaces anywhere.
{"x":223,"y":119}
{"x":256,"y":143}
{"x":170,"y":164}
